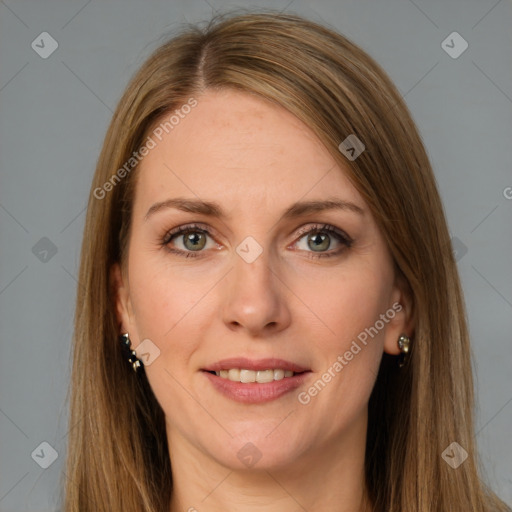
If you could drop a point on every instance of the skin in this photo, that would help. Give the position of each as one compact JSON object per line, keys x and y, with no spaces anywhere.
{"x":256,"y":159}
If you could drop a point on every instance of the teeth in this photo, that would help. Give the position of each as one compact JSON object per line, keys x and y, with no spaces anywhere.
{"x":261,"y":376}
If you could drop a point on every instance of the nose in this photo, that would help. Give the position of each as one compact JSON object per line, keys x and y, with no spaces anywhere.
{"x":256,"y":297}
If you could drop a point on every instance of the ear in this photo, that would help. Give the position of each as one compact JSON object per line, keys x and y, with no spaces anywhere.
{"x":402,"y":322}
{"x":121,"y":295}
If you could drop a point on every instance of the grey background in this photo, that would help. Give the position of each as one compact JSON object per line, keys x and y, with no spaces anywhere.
{"x":54,"y":114}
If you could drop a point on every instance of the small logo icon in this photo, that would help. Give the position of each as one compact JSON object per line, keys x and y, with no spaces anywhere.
{"x":459,"y":248}
{"x":454,"y":45}
{"x":454,"y":455}
{"x":249,"y":250}
{"x":249,"y":455}
{"x":44,"y":250}
{"x":147,"y":351}
{"x":45,"y":455}
{"x":44,"y":45}
{"x":351,"y":147}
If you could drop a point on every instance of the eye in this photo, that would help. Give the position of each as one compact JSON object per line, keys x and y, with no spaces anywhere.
{"x":320,"y":238}
{"x":192,"y":238}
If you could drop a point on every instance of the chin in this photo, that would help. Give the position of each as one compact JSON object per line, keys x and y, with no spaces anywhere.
{"x":259,"y":451}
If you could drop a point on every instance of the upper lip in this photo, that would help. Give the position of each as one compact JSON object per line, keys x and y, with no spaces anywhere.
{"x":255,"y":364}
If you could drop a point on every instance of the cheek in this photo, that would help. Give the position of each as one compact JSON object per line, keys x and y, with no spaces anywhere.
{"x":349,"y":351}
{"x":346,"y":300}
{"x":165,"y":304}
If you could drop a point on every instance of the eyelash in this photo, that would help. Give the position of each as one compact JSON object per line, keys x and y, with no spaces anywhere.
{"x":197,"y":228}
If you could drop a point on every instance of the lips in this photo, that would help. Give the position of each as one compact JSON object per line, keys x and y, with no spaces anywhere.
{"x":255,"y":364}
{"x":254,"y":392}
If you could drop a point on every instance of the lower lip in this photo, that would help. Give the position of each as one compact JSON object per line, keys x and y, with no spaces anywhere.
{"x":254,"y":392}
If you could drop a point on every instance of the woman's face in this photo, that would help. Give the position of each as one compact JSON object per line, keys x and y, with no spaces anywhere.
{"x":256,"y":286}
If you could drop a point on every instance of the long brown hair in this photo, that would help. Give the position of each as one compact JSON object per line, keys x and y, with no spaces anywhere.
{"x":118,"y":456}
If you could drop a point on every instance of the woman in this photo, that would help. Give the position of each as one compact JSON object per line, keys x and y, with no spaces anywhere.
{"x":269,"y":315}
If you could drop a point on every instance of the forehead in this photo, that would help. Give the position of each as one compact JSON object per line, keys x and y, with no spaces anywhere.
{"x":240,"y":150}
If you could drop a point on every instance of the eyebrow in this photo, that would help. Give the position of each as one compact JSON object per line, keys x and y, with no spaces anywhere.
{"x":213,"y":209}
